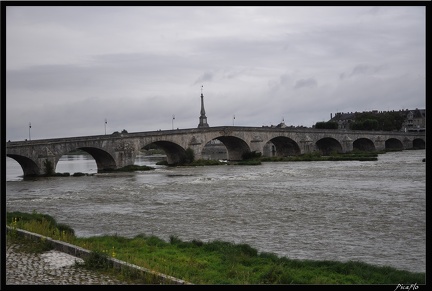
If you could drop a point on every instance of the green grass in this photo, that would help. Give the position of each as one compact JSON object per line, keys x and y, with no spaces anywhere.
{"x":214,"y":262}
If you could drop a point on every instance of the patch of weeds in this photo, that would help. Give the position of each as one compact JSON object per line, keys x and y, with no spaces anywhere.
{"x":96,"y":261}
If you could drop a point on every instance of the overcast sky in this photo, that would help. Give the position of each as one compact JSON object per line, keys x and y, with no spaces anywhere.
{"x":70,"y":68}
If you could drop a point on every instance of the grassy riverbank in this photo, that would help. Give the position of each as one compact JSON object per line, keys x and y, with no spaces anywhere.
{"x":214,"y":262}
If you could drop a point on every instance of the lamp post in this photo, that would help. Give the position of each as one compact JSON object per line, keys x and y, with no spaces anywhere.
{"x":233,"y":119}
{"x":105,"y":125}
{"x":29,"y":130}
{"x":173,"y":117}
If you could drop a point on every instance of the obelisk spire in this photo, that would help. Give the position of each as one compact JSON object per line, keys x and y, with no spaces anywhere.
{"x":203,"y":118}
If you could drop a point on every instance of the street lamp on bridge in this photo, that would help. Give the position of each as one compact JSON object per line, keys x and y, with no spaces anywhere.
{"x":105,"y":125}
{"x":29,"y":130}
{"x":173,"y":117}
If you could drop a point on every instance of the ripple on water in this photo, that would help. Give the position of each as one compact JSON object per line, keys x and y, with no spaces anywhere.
{"x":368,"y":211}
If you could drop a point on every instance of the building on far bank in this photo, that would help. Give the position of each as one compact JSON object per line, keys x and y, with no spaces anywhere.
{"x":415,"y":120}
{"x":343,"y":119}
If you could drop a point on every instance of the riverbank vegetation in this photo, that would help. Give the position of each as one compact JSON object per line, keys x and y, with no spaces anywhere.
{"x":254,"y":158}
{"x":383,"y":121}
{"x":316,"y":156}
{"x":197,"y":262}
{"x":130,"y":168}
{"x":248,"y":158}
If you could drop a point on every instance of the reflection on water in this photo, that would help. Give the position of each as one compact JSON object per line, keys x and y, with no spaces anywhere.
{"x":372,"y":211}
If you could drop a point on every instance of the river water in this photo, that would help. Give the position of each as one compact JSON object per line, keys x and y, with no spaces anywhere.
{"x":374,"y":211}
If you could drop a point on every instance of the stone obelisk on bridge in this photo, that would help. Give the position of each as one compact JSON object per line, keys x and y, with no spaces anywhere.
{"x":203,"y":117}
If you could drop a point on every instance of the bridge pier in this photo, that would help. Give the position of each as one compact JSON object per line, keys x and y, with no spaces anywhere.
{"x":407,"y":144}
{"x":197,"y":147}
{"x":197,"y":152}
{"x":379,"y":144}
{"x":124,"y":152}
{"x":124,"y":158}
{"x":46,"y":164}
{"x":307,"y":145}
{"x":347,"y":144}
{"x":257,"y":146}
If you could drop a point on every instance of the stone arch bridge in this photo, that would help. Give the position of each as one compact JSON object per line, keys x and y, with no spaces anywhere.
{"x":118,"y":150}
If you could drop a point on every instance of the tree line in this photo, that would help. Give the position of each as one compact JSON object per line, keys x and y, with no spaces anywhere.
{"x":386,"y":121}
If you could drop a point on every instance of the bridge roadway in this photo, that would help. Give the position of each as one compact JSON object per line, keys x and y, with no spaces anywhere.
{"x":120,"y":149}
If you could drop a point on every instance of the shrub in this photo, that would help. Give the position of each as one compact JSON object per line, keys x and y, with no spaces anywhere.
{"x":78,"y":174}
{"x":49,"y":168}
{"x":155,"y":241}
{"x":65,"y":228}
{"x":251,"y":155}
{"x":97,"y":261}
{"x":189,"y":156}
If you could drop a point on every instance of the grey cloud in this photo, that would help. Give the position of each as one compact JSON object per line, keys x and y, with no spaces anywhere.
{"x":49,"y":77}
{"x":362,"y":70}
{"x":119,"y":72}
{"x":308,"y":83}
{"x":207,"y":76}
{"x":283,"y":82}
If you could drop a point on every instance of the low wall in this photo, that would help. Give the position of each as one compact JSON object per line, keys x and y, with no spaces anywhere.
{"x":83,"y":253}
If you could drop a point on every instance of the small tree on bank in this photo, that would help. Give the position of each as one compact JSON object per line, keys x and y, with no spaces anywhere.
{"x":49,"y":168}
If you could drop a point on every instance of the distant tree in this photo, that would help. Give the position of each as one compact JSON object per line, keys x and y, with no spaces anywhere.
{"x":387,"y":121}
{"x":370,"y":124}
{"x":326,"y":125}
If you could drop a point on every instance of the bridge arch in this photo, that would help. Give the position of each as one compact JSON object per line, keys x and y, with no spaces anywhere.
{"x":327,"y":145}
{"x":29,"y":167}
{"x":284,"y":146}
{"x":235,"y":146}
{"x":363,"y":144}
{"x":175,"y":153}
{"x":104,"y":160}
{"x":393,"y":144}
{"x":68,"y":162}
{"x":419,"y":143}
{"x":214,"y":150}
